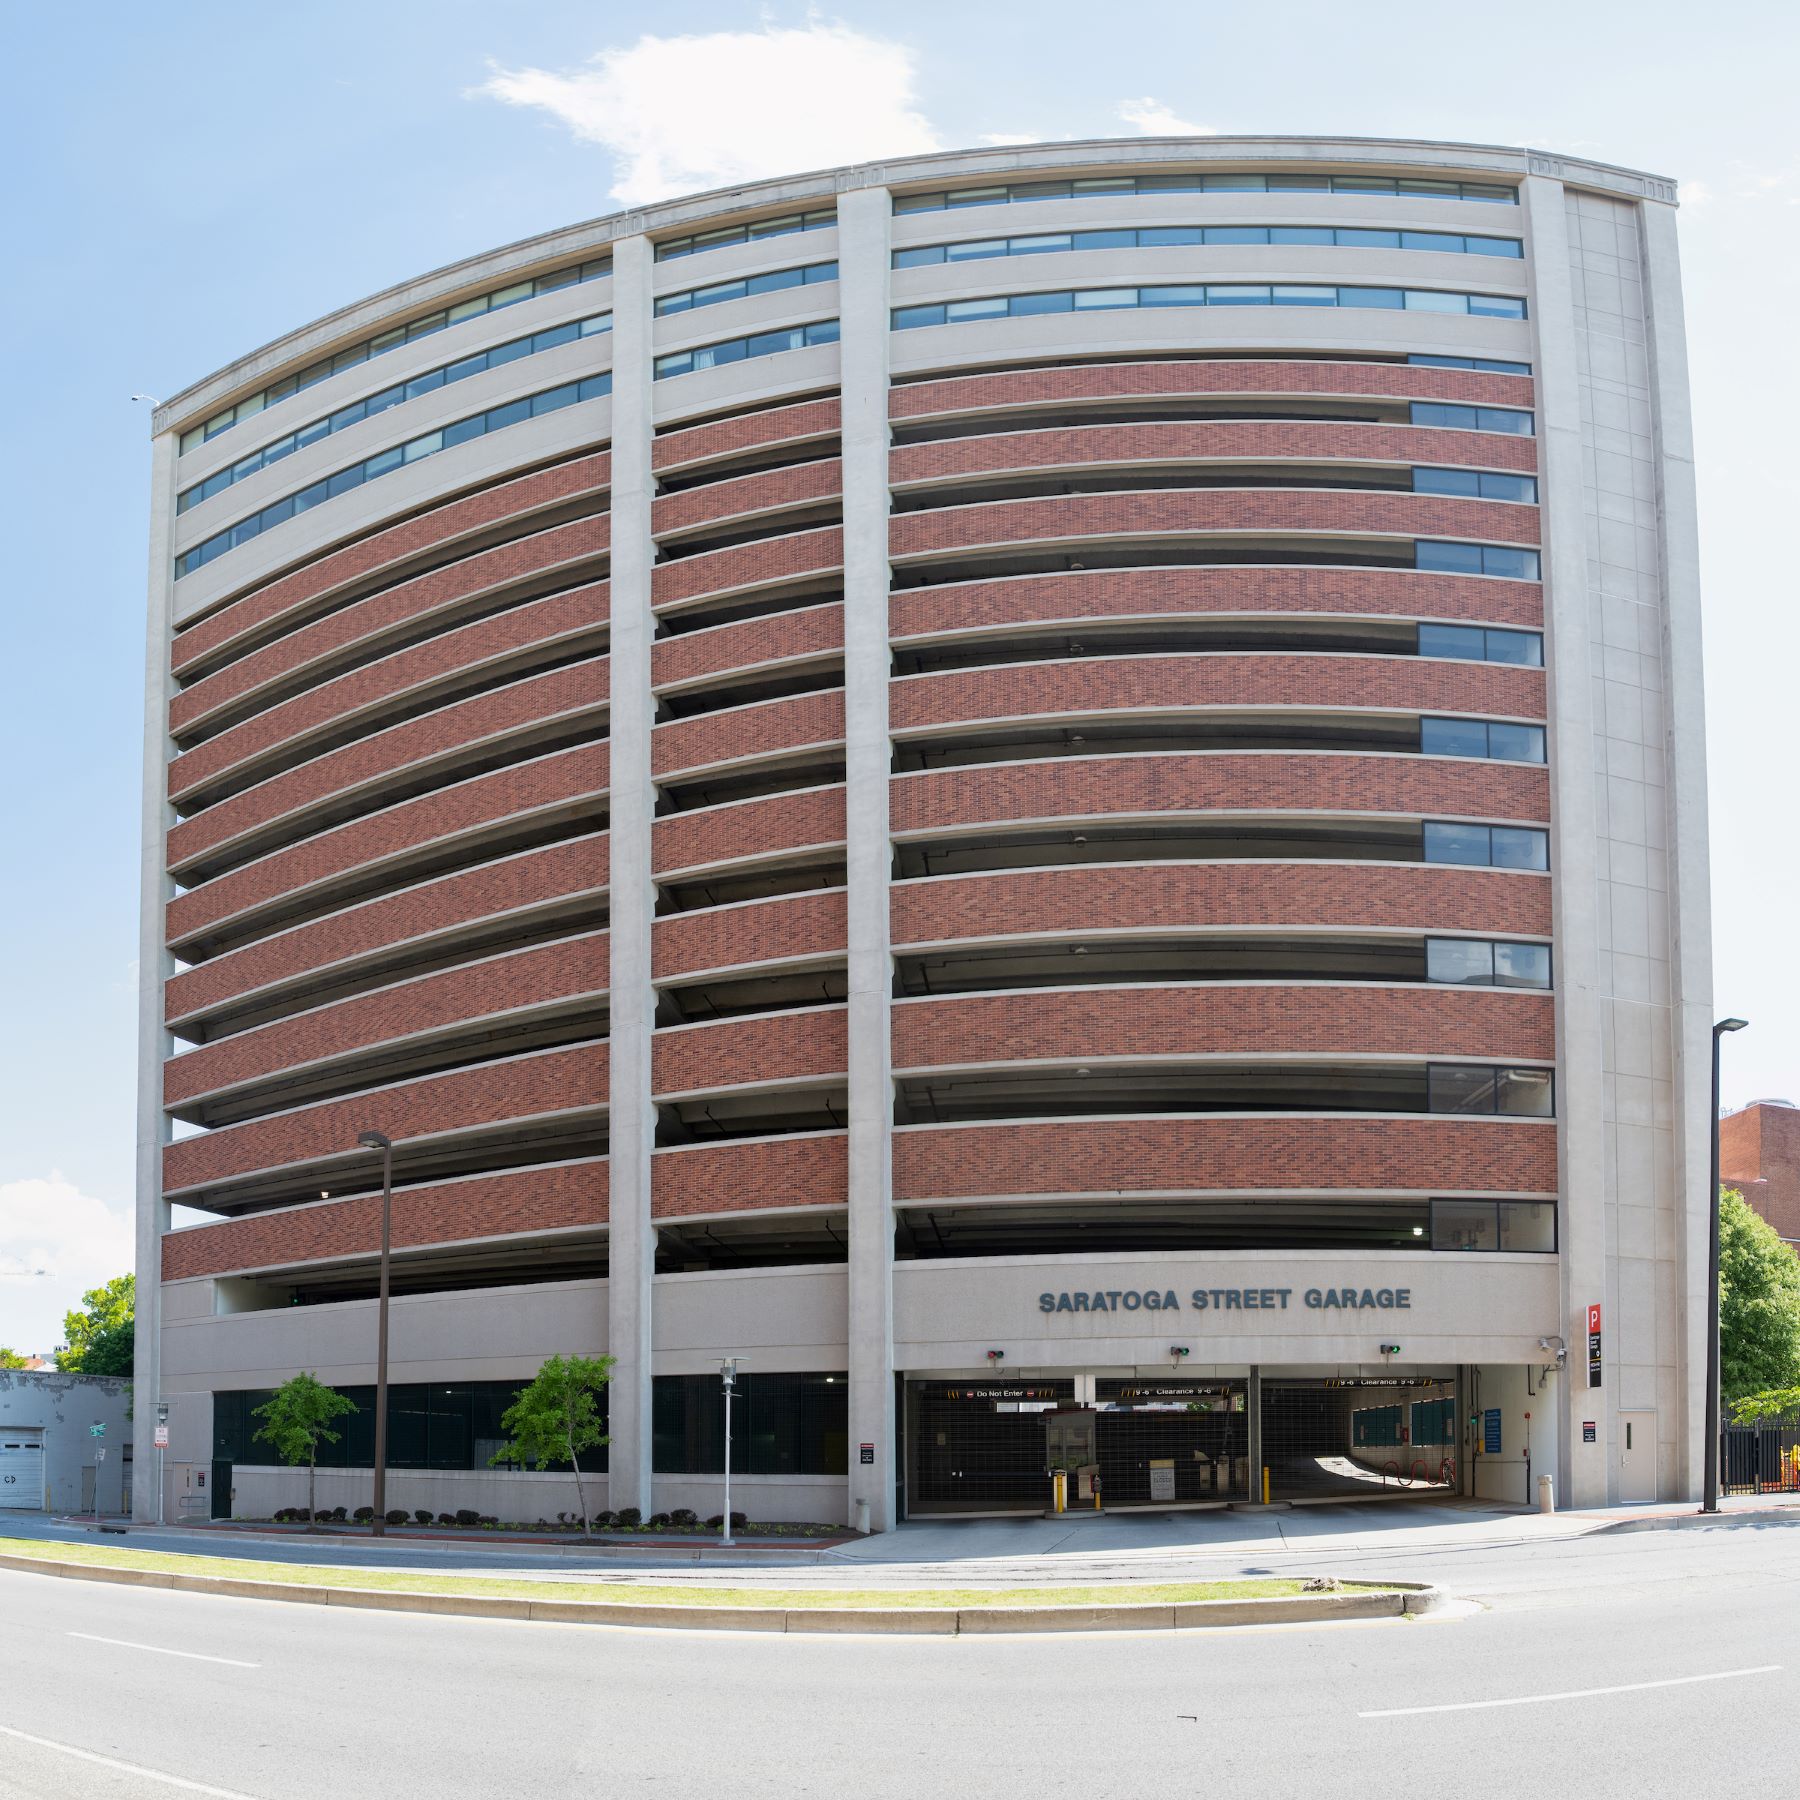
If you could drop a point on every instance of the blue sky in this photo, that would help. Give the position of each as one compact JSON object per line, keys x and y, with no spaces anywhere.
{"x":187,"y":181}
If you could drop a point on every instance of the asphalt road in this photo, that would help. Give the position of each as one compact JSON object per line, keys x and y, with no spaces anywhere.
{"x":1699,"y":1630}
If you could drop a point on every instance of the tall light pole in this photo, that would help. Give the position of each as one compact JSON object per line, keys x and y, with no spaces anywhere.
{"x":1709,"y":1502}
{"x":728,"y":1368}
{"x":379,"y":1140}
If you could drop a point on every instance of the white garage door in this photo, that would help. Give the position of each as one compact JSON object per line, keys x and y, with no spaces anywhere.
{"x":22,"y":1469}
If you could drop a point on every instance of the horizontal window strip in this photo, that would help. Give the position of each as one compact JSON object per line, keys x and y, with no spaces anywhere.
{"x":1103,"y":186}
{"x":392,"y":339}
{"x":1487,"y":364}
{"x":784,"y":226}
{"x":447,"y":437}
{"x":1160,"y":237}
{"x":1237,"y":293}
{"x":416,"y":388}
{"x":772,"y":281}
{"x":742,"y":349}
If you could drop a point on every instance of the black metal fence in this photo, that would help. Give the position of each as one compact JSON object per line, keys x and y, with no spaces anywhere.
{"x":1759,"y":1459}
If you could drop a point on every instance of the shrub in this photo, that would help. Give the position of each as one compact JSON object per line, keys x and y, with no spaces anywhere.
{"x":738,"y":1521}
{"x":336,"y":1515}
{"x":488,"y":1522}
{"x":602,"y":1520}
{"x":657,"y":1521}
{"x":363,"y":1514}
{"x":422,"y":1515}
{"x":466,"y":1517}
{"x":446,"y":1518}
{"x":683,"y":1518}
{"x":629,"y":1518}
{"x":397,"y":1516}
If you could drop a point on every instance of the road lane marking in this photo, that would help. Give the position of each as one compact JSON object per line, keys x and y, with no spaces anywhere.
{"x":113,"y":1762}
{"x":1630,"y":1687}
{"x":231,"y":1662}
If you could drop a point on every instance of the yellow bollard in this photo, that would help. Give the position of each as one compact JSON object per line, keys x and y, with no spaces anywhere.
{"x":1265,"y":1484}
{"x":1059,"y":1490}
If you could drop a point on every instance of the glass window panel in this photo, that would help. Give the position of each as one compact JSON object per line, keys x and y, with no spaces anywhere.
{"x":1164,"y":237}
{"x":556,"y":334}
{"x":1299,"y":184}
{"x":1237,"y":234}
{"x":470,"y":365}
{"x":975,"y":250}
{"x":419,"y":447}
{"x":1238,"y":294}
{"x":434,"y":378}
{"x":1475,"y":190}
{"x":379,"y":403}
{"x":920,"y":257}
{"x":1429,"y":300}
{"x":911,"y":203}
{"x":344,"y":359}
{"x":554,"y":399}
{"x":311,"y":496}
{"x":560,"y":278}
{"x":1446,"y":481}
{"x":774,"y":281}
{"x":1294,"y":294}
{"x":907,"y":317}
{"x":382,"y":462}
{"x":1524,"y":1093}
{"x":510,"y":296}
{"x":1105,"y":299}
{"x":1172,"y":296}
{"x":1103,"y":240}
{"x":1301,"y":234}
{"x":1041,"y":244}
{"x":1496,"y":306}
{"x":1364,"y":238}
{"x":501,"y":354}
{"x":1516,"y":743}
{"x":1443,"y":190}
{"x":1453,"y":737}
{"x":499,"y":417}
{"x":598,"y":323}
{"x":1361,"y":184}
{"x":1391,"y":299}
{"x":462,"y":431}
{"x":1520,"y":847}
{"x":596,"y":387}
{"x":1518,"y":565}
{"x":1451,"y":418}
{"x":1440,"y":362}
{"x":275,"y":514}
{"x":192,"y":436}
{"x":467,"y":309}
{"x":713,"y":356}
{"x":1460,"y":962}
{"x":1025,"y":305}
{"x":990,"y":196}
{"x":1461,"y":1087}
{"x":1237,"y":184}
{"x":1508,"y":487}
{"x":1464,"y":844}
{"x":1522,"y":965}
{"x":1041,"y":190}
{"x":987,"y":308}
{"x":1528,"y":1225}
{"x":815,"y":272}
{"x":1496,"y":418}
{"x":1487,"y":246}
{"x":1432,"y":240}
{"x":1526,"y":648}
{"x":1464,"y":642}
{"x":346,"y":416}
{"x":344,"y":480}
{"x":1447,"y":558}
{"x":1096,"y":184}
{"x":823,"y":331}
{"x":1464,"y":1225}
{"x":1171,"y":184}
{"x":1502,"y":368}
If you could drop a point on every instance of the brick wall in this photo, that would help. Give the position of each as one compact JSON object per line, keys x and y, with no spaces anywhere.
{"x":743,"y":733}
{"x":731,"y":1053}
{"x":1166,"y":1155}
{"x":761,"y":564}
{"x":758,"y":931}
{"x":747,"y":829}
{"x":1759,"y":1154}
{"x":747,"y":643}
{"x":747,"y":431}
{"x":750,"y":1176}
{"x":742,"y":496}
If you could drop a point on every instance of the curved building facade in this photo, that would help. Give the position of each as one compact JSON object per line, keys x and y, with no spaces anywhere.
{"x":1056,"y":794}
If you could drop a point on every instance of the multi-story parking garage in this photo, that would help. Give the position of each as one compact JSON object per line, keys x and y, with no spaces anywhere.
{"x":1056,"y":793}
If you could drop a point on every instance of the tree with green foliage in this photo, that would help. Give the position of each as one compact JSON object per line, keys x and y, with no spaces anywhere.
{"x":1770,"y":1403}
{"x":11,"y":1359}
{"x":299,"y":1415}
{"x":557,"y":1418}
{"x":1759,"y":1302}
{"x":102,"y":1335}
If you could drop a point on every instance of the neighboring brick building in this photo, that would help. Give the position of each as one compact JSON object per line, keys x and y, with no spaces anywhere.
{"x":1055,"y":780}
{"x":1759,"y":1154}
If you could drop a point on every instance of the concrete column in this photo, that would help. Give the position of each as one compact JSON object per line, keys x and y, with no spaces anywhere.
{"x":631,"y":1253}
{"x":863,"y":231}
{"x":154,"y":968}
{"x":1574,"y":861}
{"x":1690,"y":894}
{"x":1253,"y":1413}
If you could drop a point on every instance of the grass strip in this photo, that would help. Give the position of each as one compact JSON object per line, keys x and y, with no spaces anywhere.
{"x":632,"y":1592}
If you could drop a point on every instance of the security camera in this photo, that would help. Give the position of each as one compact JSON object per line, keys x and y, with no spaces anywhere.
{"x":1558,"y":1346}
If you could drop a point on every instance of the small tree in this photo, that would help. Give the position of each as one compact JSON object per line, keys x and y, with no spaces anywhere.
{"x":1759,"y":1302}
{"x":299,"y":1415}
{"x":557,"y":1418}
{"x":101,"y":1335}
{"x":11,"y":1359}
{"x":1771,"y":1403}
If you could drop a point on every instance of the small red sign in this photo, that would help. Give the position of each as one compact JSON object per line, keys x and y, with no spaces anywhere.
{"x":1594,"y":1318}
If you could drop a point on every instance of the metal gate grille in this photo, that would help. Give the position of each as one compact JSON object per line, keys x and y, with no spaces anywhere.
{"x":979,"y":1446}
{"x":1179,"y":1444}
{"x":1351,"y":1437}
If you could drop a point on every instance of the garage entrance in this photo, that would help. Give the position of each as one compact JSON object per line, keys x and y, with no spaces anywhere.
{"x":22,"y":1470}
{"x":1359,"y":1437}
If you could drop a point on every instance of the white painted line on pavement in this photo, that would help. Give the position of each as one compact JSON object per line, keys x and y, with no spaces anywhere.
{"x":112,"y":1762}
{"x":231,"y":1662}
{"x":1630,"y":1687}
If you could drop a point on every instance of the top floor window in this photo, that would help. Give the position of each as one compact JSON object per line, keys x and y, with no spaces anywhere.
{"x":1193,"y":182}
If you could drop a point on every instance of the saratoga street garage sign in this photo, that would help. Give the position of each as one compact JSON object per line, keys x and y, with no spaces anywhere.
{"x":1112,"y":1300}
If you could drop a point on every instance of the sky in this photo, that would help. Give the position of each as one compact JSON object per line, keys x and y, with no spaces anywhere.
{"x":188,"y":180}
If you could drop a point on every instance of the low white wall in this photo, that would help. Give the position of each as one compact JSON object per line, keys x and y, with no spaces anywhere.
{"x":773,"y":1499}
{"x":514,"y":1497}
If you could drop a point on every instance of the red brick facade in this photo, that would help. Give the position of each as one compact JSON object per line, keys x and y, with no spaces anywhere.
{"x":765,"y":827}
{"x":750,"y":1176}
{"x":678,"y":449}
{"x":792,"y":926}
{"x":764,"y":563}
{"x":1759,"y":1155}
{"x":744,"y":496}
{"x":731,"y":1053}
{"x":808,"y":631}
{"x":744,"y":733}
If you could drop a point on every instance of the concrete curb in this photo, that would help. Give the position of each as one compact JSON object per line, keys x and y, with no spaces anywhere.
{"x":1686,"y":1521}
{"x":1400,"y":1599}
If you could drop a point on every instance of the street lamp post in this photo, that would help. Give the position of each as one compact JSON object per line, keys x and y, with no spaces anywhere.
{"x":728,"y":1368}
{"x":379,"y":1140}
{"x":1709,"y":1502}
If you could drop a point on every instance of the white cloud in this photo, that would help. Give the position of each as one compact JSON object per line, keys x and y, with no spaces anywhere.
{"x":81,"y":1241}
{"x":1154,"y":119}
{"x":710,"y":110}
{"x":1002,"y":138}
